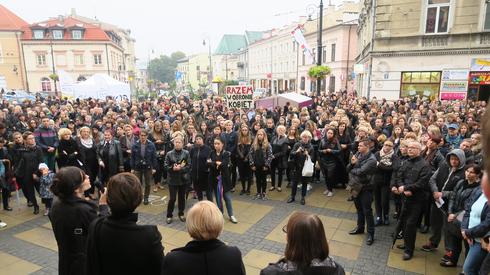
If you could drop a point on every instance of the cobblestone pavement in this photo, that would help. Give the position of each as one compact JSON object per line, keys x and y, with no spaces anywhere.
{"x":27,"y":245}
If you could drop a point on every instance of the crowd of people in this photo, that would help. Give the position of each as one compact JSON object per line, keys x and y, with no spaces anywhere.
{"x":425,"y":158}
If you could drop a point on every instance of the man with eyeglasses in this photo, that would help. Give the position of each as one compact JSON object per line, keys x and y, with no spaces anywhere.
{"x":414,"y":177}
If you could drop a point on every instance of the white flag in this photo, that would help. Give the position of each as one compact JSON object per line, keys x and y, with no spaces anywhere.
{"x":300,"y":39}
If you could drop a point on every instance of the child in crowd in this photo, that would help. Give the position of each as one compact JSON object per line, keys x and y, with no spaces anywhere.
{"x":45,"y":182}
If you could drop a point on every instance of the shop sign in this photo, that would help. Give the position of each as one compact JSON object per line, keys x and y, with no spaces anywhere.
{"x":480,"y":78}
{"x":480,"y":64}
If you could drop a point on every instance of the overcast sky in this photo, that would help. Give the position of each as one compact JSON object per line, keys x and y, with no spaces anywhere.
{"x":167,"y":26}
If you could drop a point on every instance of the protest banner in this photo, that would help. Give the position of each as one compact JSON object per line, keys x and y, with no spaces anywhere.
{"x":239,"y":96}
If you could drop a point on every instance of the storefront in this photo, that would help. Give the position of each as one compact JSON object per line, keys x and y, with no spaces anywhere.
{"x":425,"y":84}
{"x":479,"y":86}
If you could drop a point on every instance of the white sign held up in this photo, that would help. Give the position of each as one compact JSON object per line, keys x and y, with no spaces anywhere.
{"x":239,"y":97}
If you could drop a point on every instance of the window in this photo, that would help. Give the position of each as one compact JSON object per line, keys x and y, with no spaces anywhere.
{"x":76,"y":34}
{"x":324,"y":55}
{"x":332,"y":57}
{"x":38,"y":34}
{"x":41,"y":59}
{"x":78,"y":59}
{"x":198,"y":68}
{"x":45,"y":84}
{"x":97,"y":59}
{"x":486,"y":23}
{"x":437,"y":19}
{"x":425,"y":84}
{"x":302,"y":83}
{"x":57,"y":34}
{"x":331,"y":84}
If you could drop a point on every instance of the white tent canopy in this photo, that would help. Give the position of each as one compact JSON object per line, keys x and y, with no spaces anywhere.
{"x":100,"y":86}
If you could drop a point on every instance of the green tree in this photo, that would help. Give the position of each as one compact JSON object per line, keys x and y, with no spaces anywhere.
{"x":163,"y":68}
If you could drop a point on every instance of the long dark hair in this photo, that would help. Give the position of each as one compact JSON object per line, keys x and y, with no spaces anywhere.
{"x":66,"y":181}
{"x":306,"y":239}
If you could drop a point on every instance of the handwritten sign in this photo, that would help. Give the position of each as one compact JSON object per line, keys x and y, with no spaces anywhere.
{"x":239,"y":97}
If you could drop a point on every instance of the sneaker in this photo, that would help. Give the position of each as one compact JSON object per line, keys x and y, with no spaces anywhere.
{"x":2,"y":224}
{"x":263,"y":197}
{"x":325,"y":192}
{"x":46,"y":212}
{"x":279,"y":189}
{"x":447,"y":257}
{"x":182,"y":218}
{"x":428,"y":247}
{"x":272,"y":188}
{"x":257,"y":197}
{"x":330,"y":194}
{"x":155,"y":189}
{"x":169,"y":220}
{"x":233,"y":219}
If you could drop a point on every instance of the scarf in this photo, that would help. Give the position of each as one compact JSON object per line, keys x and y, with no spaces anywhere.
{"x":386,"y":158}
{"x":87,"y":143}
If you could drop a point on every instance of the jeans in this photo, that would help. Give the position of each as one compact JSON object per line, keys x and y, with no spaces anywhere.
{"x":145,"y":177}
{"x":382,"y":200}
{"x":474,"y":259}
{"x":174,"y":191}
{"x":363,"y":203}
{"x":227,"y":199}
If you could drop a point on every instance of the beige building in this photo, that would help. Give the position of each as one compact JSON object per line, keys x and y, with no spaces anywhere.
{"x":275,"y":63}
{"x":194,"y":71}
{"x":78,"y":48}
{"x":12,"y":73}
{"x":425,"y":48}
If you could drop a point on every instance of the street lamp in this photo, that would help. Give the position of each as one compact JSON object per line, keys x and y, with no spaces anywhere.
{"x":310,"y":10}
{"x":210,"y":73}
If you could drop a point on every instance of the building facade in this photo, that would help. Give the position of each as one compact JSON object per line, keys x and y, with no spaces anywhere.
{"x":194,"y":71}
{"x":12,"y":73}
{"x":424,"y":48}
{"x":71,"y":45}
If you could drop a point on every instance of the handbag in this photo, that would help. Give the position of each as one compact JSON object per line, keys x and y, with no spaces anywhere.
{"x":308,"y":168}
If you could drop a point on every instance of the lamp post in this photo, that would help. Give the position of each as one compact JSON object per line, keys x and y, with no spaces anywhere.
{"x":319,"y":47}
{"x":210,"y":73}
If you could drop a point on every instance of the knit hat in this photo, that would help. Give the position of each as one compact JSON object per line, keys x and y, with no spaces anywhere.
{"x":43,"y":166}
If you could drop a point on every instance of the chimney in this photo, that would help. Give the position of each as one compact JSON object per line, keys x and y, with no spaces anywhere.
{"x":73,"y":12}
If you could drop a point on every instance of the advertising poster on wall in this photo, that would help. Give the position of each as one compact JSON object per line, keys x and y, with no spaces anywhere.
{"x":454,"y":85}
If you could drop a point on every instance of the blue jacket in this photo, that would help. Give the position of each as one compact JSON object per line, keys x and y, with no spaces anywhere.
{"x":150,"y":158}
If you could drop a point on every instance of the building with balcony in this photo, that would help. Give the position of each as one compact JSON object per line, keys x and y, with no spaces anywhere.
{"x":428,"y":48}
{"x":69,"y":44}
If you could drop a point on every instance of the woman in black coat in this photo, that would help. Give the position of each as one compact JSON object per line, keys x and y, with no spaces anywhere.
{"x":88,"y":155}
{"x":109,"y":154}
{"x":301,"y":150}
{"x":328,"y":152}
{"x":279,"y":157}
{"x":220,"y":177}
{"x":71,"y":216}
{"x":29,"y":158}
{"x":206,"y":254}
{"x":199,"y":154}
{"x":117,"y":244}
{"x":344,"y":158}
{"x":381,"y":179}
{"x":244,"y":144}
{"x":68,"y":150}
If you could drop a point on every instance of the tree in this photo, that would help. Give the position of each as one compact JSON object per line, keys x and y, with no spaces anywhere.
{"x":163,"y":68}
{"x":319,"y":72}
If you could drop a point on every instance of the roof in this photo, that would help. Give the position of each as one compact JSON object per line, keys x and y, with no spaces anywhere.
{"x":253,"y":36}
{"x":231,"y":43}
{"x":9,"y":21}
{"x":92,"y":32}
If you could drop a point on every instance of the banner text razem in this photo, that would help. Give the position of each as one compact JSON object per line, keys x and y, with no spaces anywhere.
{"x":239,"y":97}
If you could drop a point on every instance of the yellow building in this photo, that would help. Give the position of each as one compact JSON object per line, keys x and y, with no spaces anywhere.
{"x":194,"y":71}
{"x":12,"y":74}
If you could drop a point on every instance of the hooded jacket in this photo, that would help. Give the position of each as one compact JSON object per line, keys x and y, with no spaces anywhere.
{"x":445,"y":178}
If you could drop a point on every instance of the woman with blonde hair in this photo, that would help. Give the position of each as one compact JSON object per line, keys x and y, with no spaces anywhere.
{"x":88,"y":155}
{"x":205,"y":254}
{"x":260,"y":158}
{"x":243,"y":149}
{"x":301,"y":150}
{"x":68,"y":150}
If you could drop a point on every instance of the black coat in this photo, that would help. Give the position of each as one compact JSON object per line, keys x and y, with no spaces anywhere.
{"x":384,"y":171}
{"x":363,"y":169}
{"x":69,"y":154}
{"x":280,"y":151}
{"x":275,"y":269}
{"x":211,"y":257}
{"x":117,"y":245}
{"x":70,"y":220}
{"x":114,"y":161}
{"x":223,"y":170}
{"x":414,"y":175}
{"x":199,"y":166}
{"x":30,"y":158}
{"x":180,"y":177}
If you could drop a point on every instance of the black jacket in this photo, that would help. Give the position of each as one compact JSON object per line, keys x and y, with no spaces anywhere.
{"x":384,"y":170}
{"x":275,"y":269}
{"x":414,"y":176}
{"x":299,"y":158}
{"x":180,"y":177}
{"x":199,"y":166}
{"x":482,"y":229}
{"x":117,"y":245}
{"x":211,"y":257}
{"x":30,"y":158}
{"x":70,"y":220}
{"x":114,"y":161}
{"x":458,"y":198}
{"x":223,"y":170}
{"x":279,"y":151}
{"x":69,"y":154}
{"x":444,"y":179}
{"x":150,"y":157}
{"x":328,"y":158}
{"x":363,"y":169}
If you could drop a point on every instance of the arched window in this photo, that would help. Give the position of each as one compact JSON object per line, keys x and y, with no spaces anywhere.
{"x":45,"y":84}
